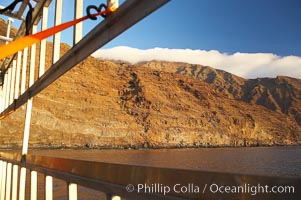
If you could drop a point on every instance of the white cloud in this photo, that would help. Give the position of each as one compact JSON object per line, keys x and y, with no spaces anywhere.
{"x":247,"y":65}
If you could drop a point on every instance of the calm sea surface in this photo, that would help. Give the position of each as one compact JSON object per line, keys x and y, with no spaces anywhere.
{"x":271,"y":161}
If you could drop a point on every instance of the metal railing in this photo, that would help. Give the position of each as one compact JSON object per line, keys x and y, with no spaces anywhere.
{"x":17,"y":92}
{"x":136,"y":182}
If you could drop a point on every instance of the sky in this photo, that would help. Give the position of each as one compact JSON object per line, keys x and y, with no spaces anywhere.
{"x":250,"y":38}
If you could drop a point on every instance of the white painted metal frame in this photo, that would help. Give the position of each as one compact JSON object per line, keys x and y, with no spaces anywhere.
{"x":8,"y":181}
{"x":5,"y":38}
{"x":24,"y":69}
{"x":18,"y":73}
{"x":12,"y":83}
{"x":15,"y":182}
{"x":1,"y":169}
{"x":3,"y":180}
{"x":8,"y":87}
{"x":57,"y":36}
{"x":43,"y":42}
{"x":34,"y":185}
{"x":9,"y":22}
{"x":78,"y":29}
{"x":4,"y":93}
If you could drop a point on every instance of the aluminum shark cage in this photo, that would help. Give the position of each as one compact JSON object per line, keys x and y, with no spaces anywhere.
{"x":115,"y":180}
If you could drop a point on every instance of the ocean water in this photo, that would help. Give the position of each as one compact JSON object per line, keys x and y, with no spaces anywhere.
{"x":267,"y":161}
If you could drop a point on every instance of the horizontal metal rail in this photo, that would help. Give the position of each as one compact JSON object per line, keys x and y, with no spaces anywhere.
{"x":115,"y":179}
{"x":5,"y":38}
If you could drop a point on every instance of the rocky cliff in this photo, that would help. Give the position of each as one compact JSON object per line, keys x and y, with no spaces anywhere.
{"x":158,"y":104}
{"x":280,"y":94}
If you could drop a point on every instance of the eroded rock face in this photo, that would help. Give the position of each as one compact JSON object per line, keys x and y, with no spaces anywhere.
{"x":107,"y":104}
{"x":158,"y":104}
{"x":280,"y":94}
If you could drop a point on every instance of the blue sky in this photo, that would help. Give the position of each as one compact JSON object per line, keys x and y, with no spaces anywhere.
{"x":251,"y":36}
{"x":265,"y":26}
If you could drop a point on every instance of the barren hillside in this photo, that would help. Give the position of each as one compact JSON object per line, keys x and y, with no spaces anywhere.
{"x":158,"y":104}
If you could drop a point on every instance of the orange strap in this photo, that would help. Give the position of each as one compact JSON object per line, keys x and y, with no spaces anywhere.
{"x":19,"y":44}
{"x":6,"y":114}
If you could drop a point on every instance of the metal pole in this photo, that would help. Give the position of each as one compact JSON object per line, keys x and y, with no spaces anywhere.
{"x":78,"y":29}
{"x":24,"y":67}
{"x":48,"y":188}
{"x":2,"y":99}
{"x":3,"y":180}
{"x":72,"y":191}
{"x":15,"y":183}
{"x":1,"y":164}
{"x":8,"y":181}
{"x":4,"y":91}
{"x":8,"y":87}
{"x":22,"y":183}
{"x":34,"y":185}
{"x":116,"y":198}
{"x":29,"y":102}
{"x":12,"y":84}
{"x":43,"y":42}
{"x":18,"y":74}
{"x":32,"y":59}
{"x":27,"y":119}
{"x":9,"y":22}
{"x":57,"y":36}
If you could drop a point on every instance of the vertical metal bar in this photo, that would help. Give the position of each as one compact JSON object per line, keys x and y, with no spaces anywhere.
{"x":1,"y":164}
{"x":18,"y":73}
{"x":15,"y":183}
{"x":8,"y":87}
{"x":24,"y":68}
{"x":8,"y":181}
{"x":78,"y":29}
{"x":9,"y":22}
{"x":4,"y":91}
{"x":43,"y":42}
{"x":2,"y":98}
{"x":29,"y":102}
{"x":72,"y":191}
{"x":3,"y":180}
{"x":116,"y":198}
{"x":27,"y":119}
{"x":57,"y":36}
{"x":22,"y":183}
{"x":32,"y":58}
{"x":27,"y":127}
{"x":34,"y":185}
{"x":112,"y":197}
{"x":12,"y":83}
{"x":48,"y":187}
